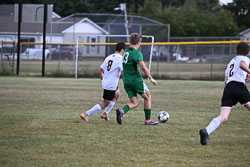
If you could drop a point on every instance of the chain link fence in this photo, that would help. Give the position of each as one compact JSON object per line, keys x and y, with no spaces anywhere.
{"x":65,"y":39}
{"x":168,"y":61}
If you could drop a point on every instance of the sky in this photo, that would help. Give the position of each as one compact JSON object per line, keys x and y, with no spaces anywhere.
{"x":226,"y":1}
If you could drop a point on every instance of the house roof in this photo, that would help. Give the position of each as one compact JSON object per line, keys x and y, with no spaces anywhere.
{"x":10,"y":26}
{"x":245,"y":31}
{"x":106,"y":18}
{"x":106,"y":23}
{"x":85,"y":26}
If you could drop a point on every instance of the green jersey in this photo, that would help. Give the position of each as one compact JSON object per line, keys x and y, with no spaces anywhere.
{"x":131,"y":58}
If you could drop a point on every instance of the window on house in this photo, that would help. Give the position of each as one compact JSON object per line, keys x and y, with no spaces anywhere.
{"x":92,"y":48}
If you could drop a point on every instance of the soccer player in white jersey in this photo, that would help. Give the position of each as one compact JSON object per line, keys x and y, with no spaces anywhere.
{"x":109,"y":72}
{"x":236,"y":75}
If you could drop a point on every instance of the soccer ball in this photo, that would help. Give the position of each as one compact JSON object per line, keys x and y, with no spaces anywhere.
{"x":163,"y":116}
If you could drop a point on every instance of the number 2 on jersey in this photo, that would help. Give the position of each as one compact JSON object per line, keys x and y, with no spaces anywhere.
{"x":110,"y":62}
{"x":231,"y":73}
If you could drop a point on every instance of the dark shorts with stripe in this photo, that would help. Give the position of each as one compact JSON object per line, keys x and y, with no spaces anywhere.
{"x":109,"y":94}
{"x":235,"y":92}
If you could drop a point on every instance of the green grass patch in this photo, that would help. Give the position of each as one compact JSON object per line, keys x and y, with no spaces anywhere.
{"x":40,"y":126}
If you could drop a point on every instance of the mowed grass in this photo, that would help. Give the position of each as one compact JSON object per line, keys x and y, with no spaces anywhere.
{"x":88,"y":67}
{"x":40,"y":126}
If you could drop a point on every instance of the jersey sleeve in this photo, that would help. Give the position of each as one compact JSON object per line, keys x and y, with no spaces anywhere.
{"x":103,"y":64}
{"x":226,"y":72}
{"x":246,"y":60}
{"x":140,"y":57}
{"x":120,"y":66}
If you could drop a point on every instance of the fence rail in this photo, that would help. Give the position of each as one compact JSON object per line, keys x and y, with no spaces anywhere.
{"x":175,"y":60}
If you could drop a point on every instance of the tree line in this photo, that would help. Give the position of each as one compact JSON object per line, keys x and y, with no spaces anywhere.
{"x":186,"y":17}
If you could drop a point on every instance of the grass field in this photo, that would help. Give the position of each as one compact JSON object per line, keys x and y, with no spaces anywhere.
{"x":40,"y":126}
{"x":89,"y":68}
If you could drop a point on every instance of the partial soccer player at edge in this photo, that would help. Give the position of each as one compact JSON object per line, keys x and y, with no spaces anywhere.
{"x":236,"y":75}
{"x":133,"y":81}
{"x":110,"y":72}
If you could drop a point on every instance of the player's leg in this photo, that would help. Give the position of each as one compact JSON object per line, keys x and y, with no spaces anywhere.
{"x":223,"y":117}
{"x":147,"y":106}
{"x":247,"y":106}
{"x":94,"y":109}
{"x":112,"y":103}
{"x":132,"y":95}
{"x":244,"y":97}
{"x":105,"y":114}
{"x":227,"y":102}
{"x":214,"y":124}
{"x":134,"y":102}
{"x":97,"y":107}
{"x":108,"y":95}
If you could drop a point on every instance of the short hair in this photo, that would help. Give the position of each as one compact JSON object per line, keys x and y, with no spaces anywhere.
{"x":242,"y":49}
{"x":119,"y":46}
{"x":135,"y":38}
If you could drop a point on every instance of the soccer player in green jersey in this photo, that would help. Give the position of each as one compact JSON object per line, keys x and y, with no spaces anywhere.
{"x":133,"y":82}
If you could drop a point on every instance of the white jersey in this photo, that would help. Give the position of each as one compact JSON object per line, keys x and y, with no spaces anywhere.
{"x":234,"y":72}
{"x":112,"y":67}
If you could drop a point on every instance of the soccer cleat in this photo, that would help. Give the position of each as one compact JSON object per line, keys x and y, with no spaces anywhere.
{"x":151,"y":122}
{"x":203,"y":137}
{"x":119,"y":115}
{"x":104,"y":116}
{"x":84,"y":117}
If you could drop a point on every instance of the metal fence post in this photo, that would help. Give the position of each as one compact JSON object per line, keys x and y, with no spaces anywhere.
{"x":158,"y":66}
{"x":59,"y":60}
{"x":212,"y":60}
{"x":13,"y":58}
{"x":1,"y":67}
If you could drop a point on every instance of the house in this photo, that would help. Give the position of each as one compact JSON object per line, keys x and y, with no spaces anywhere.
{"x":58,"y":31}
{"x":86,"y":31}
{"x":245,"y":35}
{"x":79,"y":27}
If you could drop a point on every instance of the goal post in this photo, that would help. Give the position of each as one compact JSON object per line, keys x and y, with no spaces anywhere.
{"x":109,"y":40}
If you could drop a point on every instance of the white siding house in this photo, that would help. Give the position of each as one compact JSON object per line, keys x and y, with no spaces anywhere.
{"x":86,"y":31}
{"x":60,"y":30}
{"x":245,"y":35}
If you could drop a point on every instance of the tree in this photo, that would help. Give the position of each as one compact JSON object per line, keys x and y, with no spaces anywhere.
{"x":241,"y":12}
{"x":65,"y":8}
{"x":209,"y":6}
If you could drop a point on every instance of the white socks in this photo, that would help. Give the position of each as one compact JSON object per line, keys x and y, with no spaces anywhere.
{"x":214,"y":124}
{"x":97,"y":108}
{"x":93,"y":110}
{"x":109,"y":107}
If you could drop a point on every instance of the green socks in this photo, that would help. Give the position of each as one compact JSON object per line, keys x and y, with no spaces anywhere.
{"x":147,"y":114}
{"x":146,"y":111}
{"x":126,"y":109}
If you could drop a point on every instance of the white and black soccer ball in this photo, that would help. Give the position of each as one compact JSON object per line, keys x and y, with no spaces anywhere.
{"x":163,"y":116}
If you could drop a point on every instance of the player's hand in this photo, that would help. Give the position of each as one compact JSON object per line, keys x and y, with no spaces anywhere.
{"x":152,"y":81}
{"x":247,"y":78}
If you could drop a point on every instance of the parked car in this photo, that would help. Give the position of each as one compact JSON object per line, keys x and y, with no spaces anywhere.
{"x":34,"y":54}
{"x":63,"y":53}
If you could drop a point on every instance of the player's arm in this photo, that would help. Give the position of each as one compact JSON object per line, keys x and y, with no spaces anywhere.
{"x":225,"y":80}
{"x":247,"y":78}
{"x":121,"y":74}
{"x":244,"y":67}
{"x":100,"y":73}
{"x":146,"y":72}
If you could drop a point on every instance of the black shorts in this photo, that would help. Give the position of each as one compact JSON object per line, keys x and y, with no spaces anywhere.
{"x":235,"y":92}
{"x":109,"y":94}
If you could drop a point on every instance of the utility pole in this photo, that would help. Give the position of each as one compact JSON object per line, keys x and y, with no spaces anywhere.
{"x":123,"y":8}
